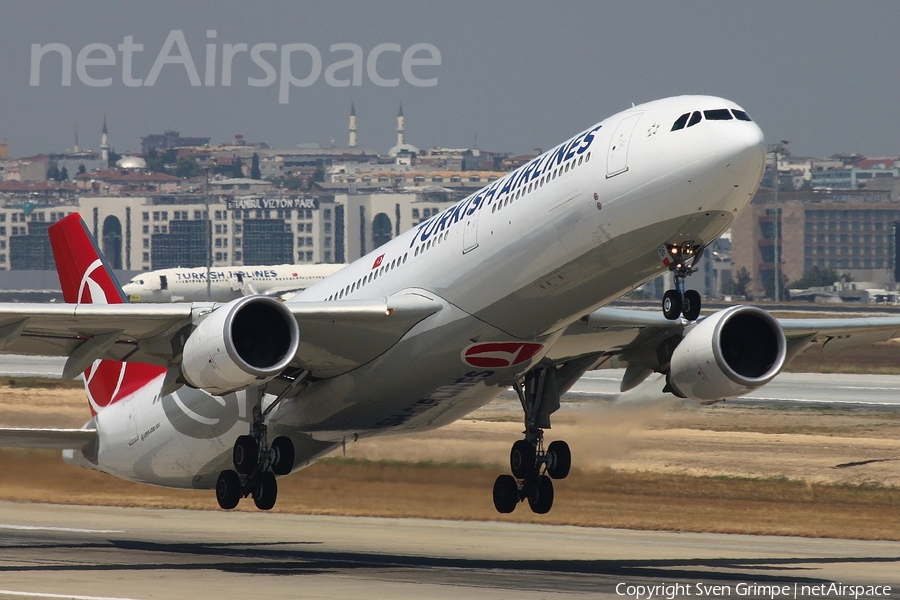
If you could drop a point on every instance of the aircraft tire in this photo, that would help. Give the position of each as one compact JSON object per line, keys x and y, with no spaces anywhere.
{"x":245,"y":454}
{"x":506,"y":494}
{"x":561,"y":460}
{"x":671,"y":305}
{"x":266,"y":491}
{"x":540,"y":496}
{"x":521,"y":459}
{"x":228,"y":490}
{"x":691,"y":307}
{"x":283,"y":455}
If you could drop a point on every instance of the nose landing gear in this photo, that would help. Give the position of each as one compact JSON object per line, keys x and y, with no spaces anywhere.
{"x":680,"y":259}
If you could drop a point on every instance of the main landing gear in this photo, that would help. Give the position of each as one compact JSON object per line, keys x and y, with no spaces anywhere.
{"x":681,"y":260}
{"x":533,"y":467}
{"x":256,"y":463}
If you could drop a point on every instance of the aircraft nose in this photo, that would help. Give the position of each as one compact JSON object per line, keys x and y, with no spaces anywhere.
{"x":743,"y":150}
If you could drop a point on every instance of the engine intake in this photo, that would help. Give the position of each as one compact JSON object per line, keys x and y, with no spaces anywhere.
{"x":248,"y":341}
{"x":728,"y":354}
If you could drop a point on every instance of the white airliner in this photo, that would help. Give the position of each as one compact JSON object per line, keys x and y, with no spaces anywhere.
{"x":504,"y":289}
{"x":228,"y":283}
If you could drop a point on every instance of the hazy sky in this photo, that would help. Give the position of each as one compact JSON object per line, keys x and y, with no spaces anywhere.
{"x":519,"y":75}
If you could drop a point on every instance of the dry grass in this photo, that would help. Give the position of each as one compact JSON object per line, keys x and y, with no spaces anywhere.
{"x":714,"y":469}
{"x":457,"y":491}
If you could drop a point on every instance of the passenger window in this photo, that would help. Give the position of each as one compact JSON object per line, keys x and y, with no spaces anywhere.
{"x":681,"y":122}
{"x":719,"y":114}
{"x":741,"y":115}
{"x":695,"y":118}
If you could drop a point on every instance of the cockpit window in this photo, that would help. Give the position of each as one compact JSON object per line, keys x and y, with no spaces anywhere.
{"x":719,"y":114}
{"x":680,"y":123}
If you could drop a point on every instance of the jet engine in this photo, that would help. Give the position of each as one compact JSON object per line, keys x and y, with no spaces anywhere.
{"x":246,"y":342}
{"x":728,"y":354}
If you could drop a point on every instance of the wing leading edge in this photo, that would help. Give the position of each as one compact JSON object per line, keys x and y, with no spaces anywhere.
{"x":335,"y":336}
{"x":624,"y":337}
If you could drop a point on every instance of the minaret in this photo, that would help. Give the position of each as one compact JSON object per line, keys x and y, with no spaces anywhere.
{"x":400,"y":126}
{"x":104,"y":142}
{"x":77,"y":147}
{"x":352,"y":125}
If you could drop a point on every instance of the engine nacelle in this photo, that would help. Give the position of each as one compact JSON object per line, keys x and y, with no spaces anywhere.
{"x":728,"y":354}
{"x":245,"y":342}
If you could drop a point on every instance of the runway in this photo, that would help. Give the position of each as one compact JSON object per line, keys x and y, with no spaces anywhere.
{"x":786,"y":388}
{"x":51,"y":551}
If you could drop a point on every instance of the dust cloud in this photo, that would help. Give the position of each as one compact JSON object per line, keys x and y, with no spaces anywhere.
{"x":601,"y":432}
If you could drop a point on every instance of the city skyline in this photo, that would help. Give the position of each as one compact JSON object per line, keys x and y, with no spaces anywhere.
{"x":517,"y":79}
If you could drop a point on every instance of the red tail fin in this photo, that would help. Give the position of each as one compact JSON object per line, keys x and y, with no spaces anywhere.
{"x":86,"y":278}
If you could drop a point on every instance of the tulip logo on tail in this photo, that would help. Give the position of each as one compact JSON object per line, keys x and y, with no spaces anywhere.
{"x":90,"y":291}
{"x":85,"y":279}
{"x":496,"y":355}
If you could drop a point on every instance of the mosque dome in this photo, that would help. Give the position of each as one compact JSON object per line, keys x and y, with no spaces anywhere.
{"x":131,"y":162}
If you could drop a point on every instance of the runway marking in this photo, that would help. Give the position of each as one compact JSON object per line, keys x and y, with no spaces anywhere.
{"x":858,"y":387}
{"x":65,"y":529}
{"x":752,"y":399}
{"x":67,"y":596}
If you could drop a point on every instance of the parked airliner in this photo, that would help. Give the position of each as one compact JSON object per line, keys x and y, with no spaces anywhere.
{"x":504,"y":289}
{"x":225,"y":283}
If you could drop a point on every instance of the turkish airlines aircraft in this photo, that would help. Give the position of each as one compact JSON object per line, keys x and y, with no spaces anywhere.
{"x":229,"y":283}
{"x":504,"y":289}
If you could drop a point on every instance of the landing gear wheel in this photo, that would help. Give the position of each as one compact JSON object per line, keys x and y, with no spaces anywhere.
{"x":228,"y":489}
{"x":521,"y":459}
{"x":540,"y":496}
{"x":671,"y":305}
{"x":266,"y":491}
{"x":245,"y":454}
{"x":506,"y":494}
{"x":560,"y":459}
{"x":282,"y":455}
{"x":691,"y":307}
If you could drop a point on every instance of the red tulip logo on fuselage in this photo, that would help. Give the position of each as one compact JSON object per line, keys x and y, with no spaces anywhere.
{"x":495,"y":355}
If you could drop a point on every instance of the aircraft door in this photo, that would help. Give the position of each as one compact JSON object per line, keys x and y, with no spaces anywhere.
{"x":163,"y":282}
{"x":617,"y":158}
{"x":470,"y":232}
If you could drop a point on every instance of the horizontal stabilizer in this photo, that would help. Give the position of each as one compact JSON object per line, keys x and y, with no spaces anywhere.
{"x":60,"y":439}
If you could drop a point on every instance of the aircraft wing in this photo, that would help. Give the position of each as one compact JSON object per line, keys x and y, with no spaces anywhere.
{"x":336,"y":336}
{"x":616,"y":337}
{"x":60,"y":439}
